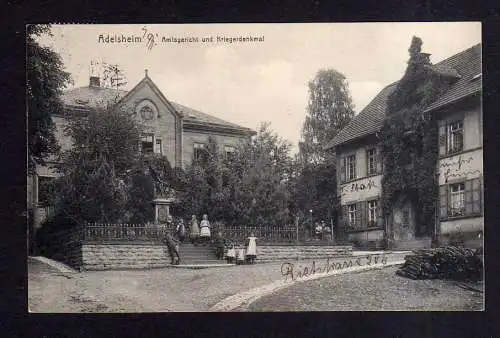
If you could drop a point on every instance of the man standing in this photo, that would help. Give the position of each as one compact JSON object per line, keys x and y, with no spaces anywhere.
{"x":172,"y":245}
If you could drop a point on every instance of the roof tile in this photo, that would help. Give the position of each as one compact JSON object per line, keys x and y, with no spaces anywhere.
{"x":464,"y":66}
{"x":94,"y":97}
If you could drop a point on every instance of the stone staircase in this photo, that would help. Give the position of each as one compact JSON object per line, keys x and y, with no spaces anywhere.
{"x":198,"y":255}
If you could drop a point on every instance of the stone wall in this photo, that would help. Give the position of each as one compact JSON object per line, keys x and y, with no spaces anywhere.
{"x":269,"y":253}
{"x":124,"y":256}
{"x":116,"y":256}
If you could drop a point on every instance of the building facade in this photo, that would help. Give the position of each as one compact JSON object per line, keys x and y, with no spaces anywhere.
{"x":178,"y":132}
{"x":459,"y":216}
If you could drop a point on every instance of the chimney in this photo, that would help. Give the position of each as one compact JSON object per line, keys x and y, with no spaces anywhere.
{"x":94,"y":82}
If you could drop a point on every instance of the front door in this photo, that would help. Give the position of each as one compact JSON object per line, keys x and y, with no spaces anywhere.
{"x":403,"y":222}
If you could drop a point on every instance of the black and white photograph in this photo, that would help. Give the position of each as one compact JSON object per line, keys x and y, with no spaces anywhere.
{"x":255,"y":167}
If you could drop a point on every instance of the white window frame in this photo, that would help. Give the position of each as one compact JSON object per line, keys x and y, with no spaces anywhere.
{"x":198,"y":145}
{"x":158,"y":150}
{"x":457,"y":199}
{"x":372,"y":212}
{"x":350,"y":163}
{"x":454,"y":128}
{"x":144,"y":138}
{"x":371,"y":160}
{"x":351,"y":214}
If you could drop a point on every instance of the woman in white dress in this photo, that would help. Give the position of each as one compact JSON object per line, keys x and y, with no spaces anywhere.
{"x":195,"y":230}
{"x":251,"y":253}
{"x":205,"y":229}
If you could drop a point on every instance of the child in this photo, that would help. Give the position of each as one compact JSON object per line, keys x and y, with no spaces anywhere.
{"x":251,"y":248}
{"x":240,"y":255}
{"x":231,"y":253}
{"x":205,"y":230}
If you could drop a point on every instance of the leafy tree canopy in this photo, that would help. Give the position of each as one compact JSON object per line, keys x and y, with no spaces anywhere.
{"x":329,"y":109}
{"x":45,"y":81}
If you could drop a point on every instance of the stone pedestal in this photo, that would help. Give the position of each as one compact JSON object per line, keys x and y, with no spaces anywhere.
{"x":162,"y":209}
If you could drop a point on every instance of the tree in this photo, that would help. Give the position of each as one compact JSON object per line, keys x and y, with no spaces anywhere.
{"x":96,"y":170}
{"x":329,"y":109}
{"x":250,"y":188}
{"x":262,"y":166}
{"x":45,"y":81}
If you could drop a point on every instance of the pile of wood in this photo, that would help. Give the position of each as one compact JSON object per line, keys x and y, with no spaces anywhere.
{"x":445,"y":263}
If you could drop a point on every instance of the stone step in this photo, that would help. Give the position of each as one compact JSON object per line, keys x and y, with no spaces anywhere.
{"x":202,"y":261}
{"x":418,"y":243}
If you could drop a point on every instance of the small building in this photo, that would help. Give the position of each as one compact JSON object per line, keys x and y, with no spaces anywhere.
{"x":178,"y":132}
{"x":460,"y":167}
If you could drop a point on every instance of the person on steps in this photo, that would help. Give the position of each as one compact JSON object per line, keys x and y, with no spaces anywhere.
{"x":205,"y":230}
{"x":181,"y":230}
{"x":173,"y":248}
{"x":195,"y":230}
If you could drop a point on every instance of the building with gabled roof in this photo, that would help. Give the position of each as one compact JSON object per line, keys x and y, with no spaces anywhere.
{"x":460,"y":168}
{"x":176,"y":131}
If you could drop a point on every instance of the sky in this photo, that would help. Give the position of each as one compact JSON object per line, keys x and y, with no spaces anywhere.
{"x":251,"y":82}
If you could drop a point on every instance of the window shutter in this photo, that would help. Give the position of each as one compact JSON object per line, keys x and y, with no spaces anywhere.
{"x":359,"y":213}
{"x":443,"y":201}
{"x":476,"y":195}
{"x":379,"y":213}
{"x":364,"y":214}
{"x":442,"y":137}
{"x":342,"y":168}
{"x":378,"y":159}
{"x":468,"y":197}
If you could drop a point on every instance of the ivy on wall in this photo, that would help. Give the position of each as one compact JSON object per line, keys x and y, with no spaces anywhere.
{"x":409,"y":138}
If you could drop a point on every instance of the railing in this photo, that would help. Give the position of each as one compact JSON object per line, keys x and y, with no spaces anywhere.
{"x":265,"y":234}
{"x":137,"y":233}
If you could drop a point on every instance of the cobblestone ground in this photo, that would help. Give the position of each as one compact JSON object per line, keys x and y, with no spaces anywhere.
{"x":379,"y":289}
{"x":168,"y":289}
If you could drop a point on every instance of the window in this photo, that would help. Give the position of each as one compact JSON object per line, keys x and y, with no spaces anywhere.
{"x":461,"y":199}
{"x":350,"y":167}
{"x":158,"y":147}
{"x":455,"y":137}
{"x":351,"y":215}
{"x":147,"y":143}
{"x":200,"y":151}
{"x":371,"y":155}
{"x":229,"y":152}
{"x":44,"y":190}
{"x":372,"y":213}
{"x":457,"y":200}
